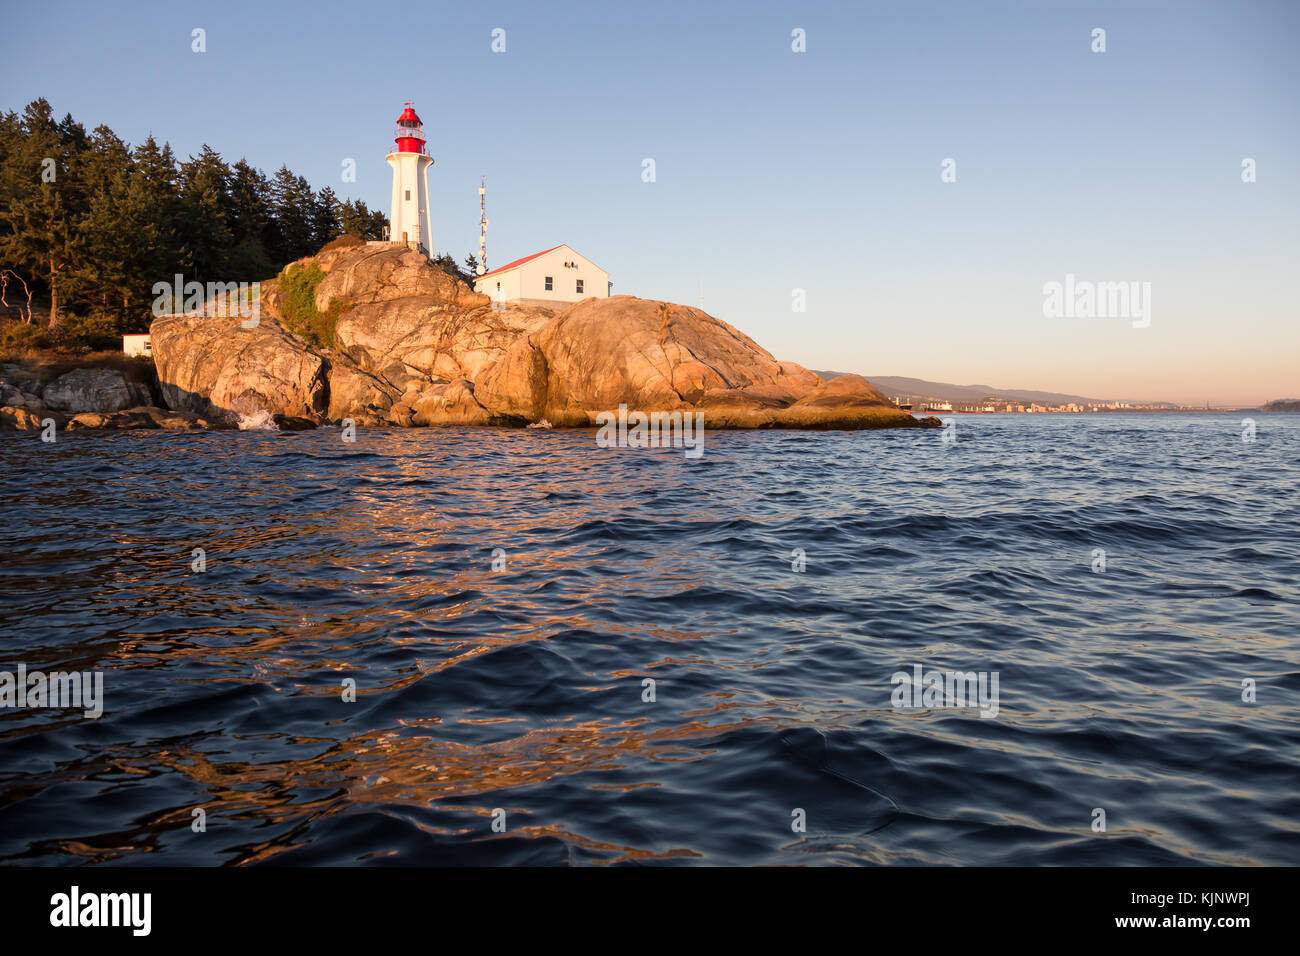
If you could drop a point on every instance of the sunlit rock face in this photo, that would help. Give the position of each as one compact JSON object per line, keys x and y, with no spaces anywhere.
{"x":422,"y":338}
{"x":383,"y":272}
{"x":211,"y":365}
{"x":415,"y":346}
{"x":355,"y":393}
{"x":600,"y":353}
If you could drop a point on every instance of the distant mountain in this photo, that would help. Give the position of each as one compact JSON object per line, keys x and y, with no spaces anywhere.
{"x":894,"y":386}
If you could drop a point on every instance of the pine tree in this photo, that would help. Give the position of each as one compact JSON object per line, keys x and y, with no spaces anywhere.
{"x":38,"y":234}
{"x":13,"y":140}
{"x":358,"y":220}
{"x":205,"y":201}
{"x":250,"y":222}
{"x":293,"y":225}
{"x":154,"y":186}
{"x":326,"y":224}
{"x":105,"y":157}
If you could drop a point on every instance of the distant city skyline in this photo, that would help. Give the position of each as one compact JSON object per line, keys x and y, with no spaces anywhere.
{"x":784,"y":176}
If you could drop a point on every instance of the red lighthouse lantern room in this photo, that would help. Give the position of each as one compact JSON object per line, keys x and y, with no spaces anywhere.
{"x":410,"y":132}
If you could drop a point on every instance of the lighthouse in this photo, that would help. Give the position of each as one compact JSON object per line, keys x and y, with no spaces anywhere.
{"x":409,"y":221}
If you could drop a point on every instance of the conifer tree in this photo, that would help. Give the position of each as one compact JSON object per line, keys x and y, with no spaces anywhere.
{"x":203,"y":210}
{"x":327,"y":223}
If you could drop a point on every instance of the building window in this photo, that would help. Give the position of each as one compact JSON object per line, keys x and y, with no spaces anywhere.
{"x":579,"y":286}
{"x":408,"y":194}
{"x":550,"y":284}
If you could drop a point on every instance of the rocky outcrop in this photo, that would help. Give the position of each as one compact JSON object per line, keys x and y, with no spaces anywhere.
{"x":423,"y":338}
{"x":126,"y":418}
{"x":212,"y":366}
{"x":17,"y":418}
{"x":383,"y":273}
{"x":601,"y":353}
{"x":845,"y":391}
{"x":93,"y":390}
{"x":145,"y":416}
{"x":847,"y":402}
{"x":451,"y":404}
{"x":16,"y":397}
{"x":354,"y":393}
{"x":410,"y":322}
{"x":292,"y":423}
{"x":415,"y":346}
{"x":148,"y":416}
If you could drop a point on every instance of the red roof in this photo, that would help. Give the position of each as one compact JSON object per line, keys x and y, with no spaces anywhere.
{"x":518,"y":262}
{"x":409,"y":114}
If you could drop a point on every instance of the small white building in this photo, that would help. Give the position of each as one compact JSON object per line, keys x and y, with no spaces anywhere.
{"x":557,"y":276}
{"x":137,"y":344}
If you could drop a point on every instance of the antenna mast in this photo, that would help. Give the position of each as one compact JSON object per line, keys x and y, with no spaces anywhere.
{"x":482,"y":224}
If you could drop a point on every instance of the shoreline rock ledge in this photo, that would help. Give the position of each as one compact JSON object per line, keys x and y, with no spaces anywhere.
{"x":412,"y":346}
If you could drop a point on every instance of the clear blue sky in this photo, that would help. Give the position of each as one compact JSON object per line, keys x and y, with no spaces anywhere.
{"x":778,"y":170}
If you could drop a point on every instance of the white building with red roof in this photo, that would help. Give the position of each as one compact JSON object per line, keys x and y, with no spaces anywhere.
{"x":556,"y":276}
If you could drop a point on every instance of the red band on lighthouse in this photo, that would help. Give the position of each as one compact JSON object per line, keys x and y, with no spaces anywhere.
{"x":410,"y":131}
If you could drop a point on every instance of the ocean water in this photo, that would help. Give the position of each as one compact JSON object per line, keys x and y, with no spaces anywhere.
{"x":501,"y":715}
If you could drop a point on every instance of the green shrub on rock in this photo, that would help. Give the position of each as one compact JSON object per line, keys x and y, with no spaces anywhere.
{"x":298,"y":305}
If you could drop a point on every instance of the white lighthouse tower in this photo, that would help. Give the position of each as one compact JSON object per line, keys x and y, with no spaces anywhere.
{"x":409,"y":221}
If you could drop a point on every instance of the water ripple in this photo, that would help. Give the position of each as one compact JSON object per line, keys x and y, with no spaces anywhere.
{"x":501,"y":600}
